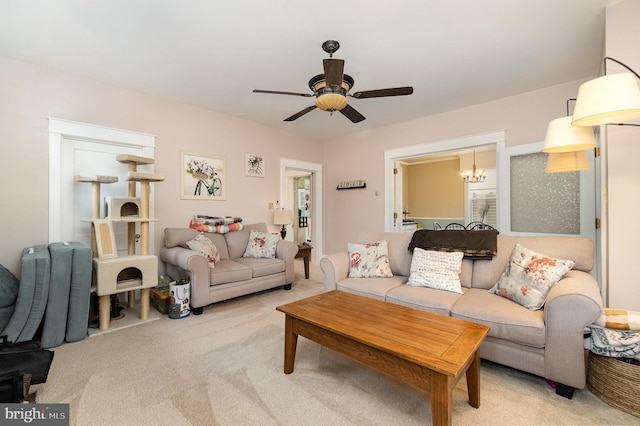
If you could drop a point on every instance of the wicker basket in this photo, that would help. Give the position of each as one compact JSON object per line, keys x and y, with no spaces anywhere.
{"x":615,"y":382}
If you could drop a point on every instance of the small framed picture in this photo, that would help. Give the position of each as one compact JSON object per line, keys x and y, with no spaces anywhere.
{"x":203,"y":177}
{"x":254,"y":165}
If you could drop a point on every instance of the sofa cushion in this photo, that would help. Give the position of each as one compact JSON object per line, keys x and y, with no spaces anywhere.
{"x":426,"y":299}
{"x":369,"y":260}
{"x":436,"y":269}
{"x":508,"y":320}
{"x":376,"y":288}
{"x":579,"y":249}
{"x":229,"y":271}
{"x":178,"y":237}
{"x":529,"y":276}
{"x":262,"y":267}
{"x":261,"y":245}
{"x":205,"y":247}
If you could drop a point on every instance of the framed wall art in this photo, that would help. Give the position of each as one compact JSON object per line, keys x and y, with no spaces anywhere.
{"x":254,"y":165}
{"x":203,"y":177}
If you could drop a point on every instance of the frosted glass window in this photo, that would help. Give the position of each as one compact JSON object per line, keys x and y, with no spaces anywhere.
{"x":543,"y":202}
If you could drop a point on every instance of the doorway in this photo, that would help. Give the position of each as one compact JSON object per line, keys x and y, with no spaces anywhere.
{"x":393,"y":183}
{"x":89,"y":150}
{"x":301,"y":192}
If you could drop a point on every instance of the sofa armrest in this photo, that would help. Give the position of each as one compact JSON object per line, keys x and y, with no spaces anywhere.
{"x":287,"y":250}
{"x":571,"y":305}
{"x":197,"y":267}
{"x":335,"y":268}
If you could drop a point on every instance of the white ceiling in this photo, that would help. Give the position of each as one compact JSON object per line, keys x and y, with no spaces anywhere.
{"x":212,"y":54}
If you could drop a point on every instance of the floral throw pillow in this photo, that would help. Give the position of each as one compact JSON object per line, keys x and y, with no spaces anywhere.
{"x":261,"y":245}
{"x":529,"y":276}
{"x":369,"y":260}
{"x":205,"y":247}
{"x":436,"y":269}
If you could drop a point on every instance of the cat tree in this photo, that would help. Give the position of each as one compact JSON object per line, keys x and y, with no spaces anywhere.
{"x":114,"y":274}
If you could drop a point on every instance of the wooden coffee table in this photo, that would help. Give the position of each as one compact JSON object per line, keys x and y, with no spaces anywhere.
{"x":426,"y":350}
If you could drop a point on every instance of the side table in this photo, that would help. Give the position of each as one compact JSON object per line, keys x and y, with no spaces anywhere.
{"x":304,"y":252}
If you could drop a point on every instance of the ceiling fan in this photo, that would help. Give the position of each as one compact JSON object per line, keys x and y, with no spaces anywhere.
{"x":332,"y":88}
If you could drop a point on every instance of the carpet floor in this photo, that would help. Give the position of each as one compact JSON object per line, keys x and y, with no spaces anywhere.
{"x":224,"y":367}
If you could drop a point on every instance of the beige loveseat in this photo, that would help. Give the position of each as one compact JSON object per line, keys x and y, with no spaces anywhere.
{"x":547,"y":342}
{"x":233,"y":275}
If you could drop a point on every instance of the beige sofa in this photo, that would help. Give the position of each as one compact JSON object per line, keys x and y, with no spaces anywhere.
{"x":547,"y":342}
{"x":233,"y":275}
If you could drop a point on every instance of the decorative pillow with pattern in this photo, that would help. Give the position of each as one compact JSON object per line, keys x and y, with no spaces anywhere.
{"x":261,"y":245}
{"x":529,"y":276}
{"x":436,"y":269}
{"x":205,"y":247}
{"x":370,"y":260}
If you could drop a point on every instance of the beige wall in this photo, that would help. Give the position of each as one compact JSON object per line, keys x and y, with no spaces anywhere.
{"x":622,"y":155}
{"x":28,"y":95}
{"x":436,"y":190}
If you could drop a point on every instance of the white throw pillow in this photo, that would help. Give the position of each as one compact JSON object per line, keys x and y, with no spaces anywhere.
{"x":436,"y":269}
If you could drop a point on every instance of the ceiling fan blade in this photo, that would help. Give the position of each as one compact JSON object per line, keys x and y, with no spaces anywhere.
{"x":301,"y":113}
{"x":333,"y":69}
{"x":397,"y":91}
{"x":276,"y":92}
{"x":352,"y":114}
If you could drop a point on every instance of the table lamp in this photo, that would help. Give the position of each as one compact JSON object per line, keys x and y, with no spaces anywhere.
{"x":283,"y":217}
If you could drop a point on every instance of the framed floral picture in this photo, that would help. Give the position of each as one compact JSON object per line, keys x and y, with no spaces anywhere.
{"x":254,"y":165}
{"x":203,"y":177}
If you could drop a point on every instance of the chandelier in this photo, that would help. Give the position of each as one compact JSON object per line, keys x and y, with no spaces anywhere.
{"x":475,"y":175}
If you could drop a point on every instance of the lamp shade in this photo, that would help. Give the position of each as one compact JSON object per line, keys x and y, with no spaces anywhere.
{"x":574,"y":161}
{"x":282,"y":217}
{"x":563,"y":137}
{"x":609,"y":99}
{"x":331,"y":102}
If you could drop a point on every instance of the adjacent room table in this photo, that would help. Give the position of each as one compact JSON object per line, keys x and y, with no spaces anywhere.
{"x":304,"y":252}
{"x":424,"y":349}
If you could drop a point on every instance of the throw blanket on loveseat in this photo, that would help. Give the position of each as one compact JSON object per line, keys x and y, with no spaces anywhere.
{"x":217,"y":225}
{"x":478,"y":245}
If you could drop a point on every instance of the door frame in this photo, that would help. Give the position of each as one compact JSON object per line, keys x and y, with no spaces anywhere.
{"x":496,"y":138}
{"x":316,"y":203}
{"x":59,"y":130}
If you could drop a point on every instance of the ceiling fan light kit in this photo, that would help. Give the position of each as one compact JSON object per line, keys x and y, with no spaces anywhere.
{"x":332,"y":88}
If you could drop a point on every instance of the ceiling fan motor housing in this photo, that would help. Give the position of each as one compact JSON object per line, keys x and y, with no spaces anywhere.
{"x":331,"y":98}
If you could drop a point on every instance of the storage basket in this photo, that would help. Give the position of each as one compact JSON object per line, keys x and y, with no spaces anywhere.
{"x":160,"y":299}
{"x":615,"y":382}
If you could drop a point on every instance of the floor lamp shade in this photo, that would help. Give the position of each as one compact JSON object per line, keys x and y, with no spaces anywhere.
{"x":558,"y":162}
{"x":563,"y":137}
{"x":609,"y":99}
